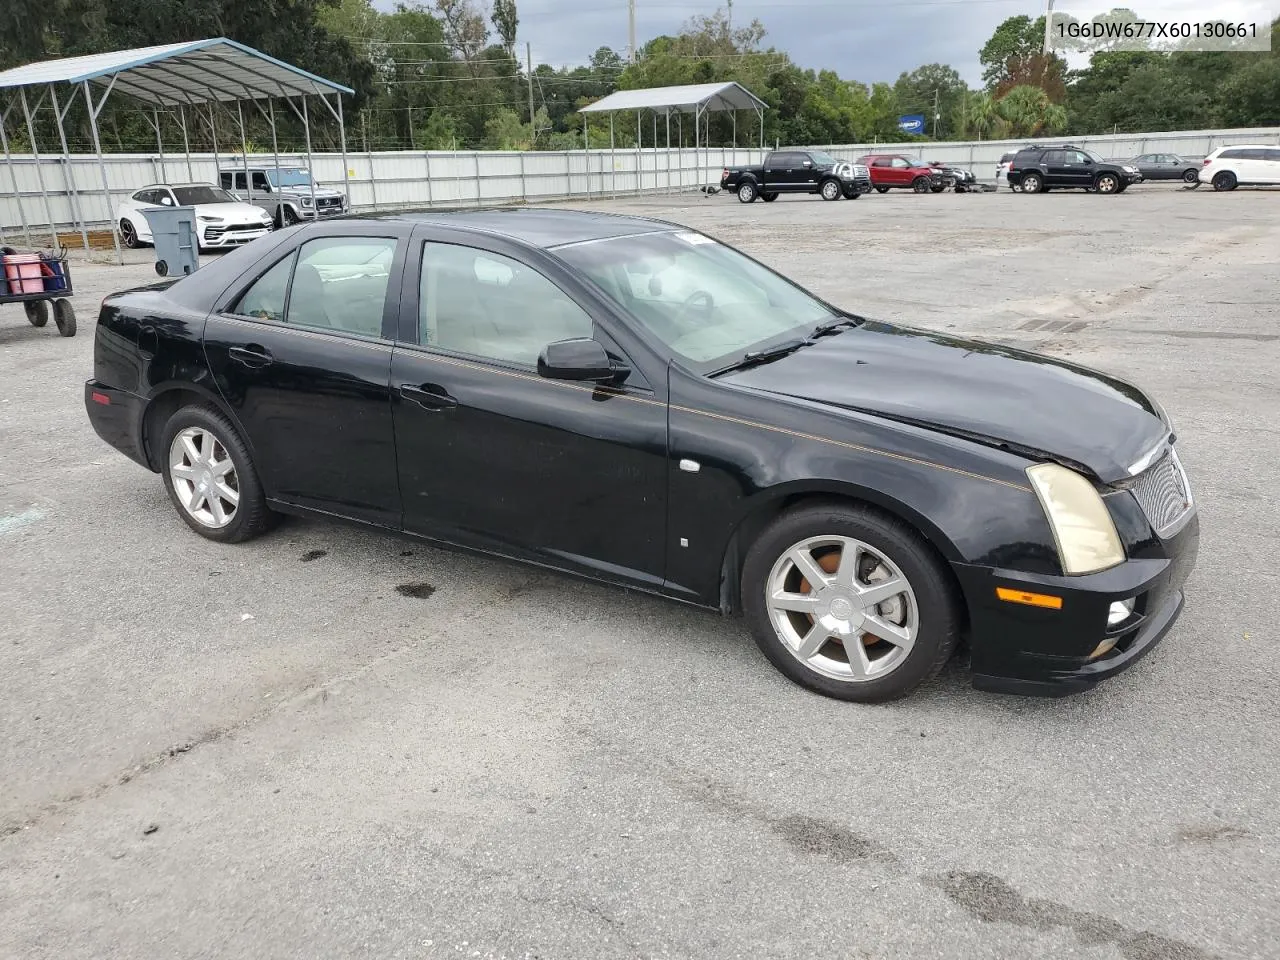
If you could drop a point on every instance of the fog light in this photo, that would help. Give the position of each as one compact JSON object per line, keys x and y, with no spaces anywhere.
{"x":1120,"y":611}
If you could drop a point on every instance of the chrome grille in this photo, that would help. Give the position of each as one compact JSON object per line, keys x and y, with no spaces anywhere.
{"x":1163,"y":493}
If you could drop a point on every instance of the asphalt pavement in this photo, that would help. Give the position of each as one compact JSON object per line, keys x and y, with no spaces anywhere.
{"x":332,"y":742}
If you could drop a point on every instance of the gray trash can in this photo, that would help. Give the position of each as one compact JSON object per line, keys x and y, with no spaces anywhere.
{"x":173,"y":231}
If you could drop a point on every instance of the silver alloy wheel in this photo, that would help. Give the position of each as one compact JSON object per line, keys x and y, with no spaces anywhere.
{"x":842,"y":608}
{"x":1107,"y":183}
{"x":831,"y":190}
{"x":204,"y":477}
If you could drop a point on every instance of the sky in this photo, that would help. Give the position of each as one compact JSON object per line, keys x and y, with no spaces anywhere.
{"x":863,"y":40}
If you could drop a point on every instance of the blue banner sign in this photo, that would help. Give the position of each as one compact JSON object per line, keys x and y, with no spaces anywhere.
{"x":912,"y":123}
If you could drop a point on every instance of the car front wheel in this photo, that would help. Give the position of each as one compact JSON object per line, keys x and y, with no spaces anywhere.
{"x":747,"y":193}
{"x":1107,"y":183}
{"x":849,"y":602}
{"x":210,"y":477}
{"x":882,"y":189}
{"x":830,"y":190}
{"x":920,"y":184}
{"x":128,"y":235}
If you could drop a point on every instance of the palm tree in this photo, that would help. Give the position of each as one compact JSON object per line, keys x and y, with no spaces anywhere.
{"x":983,"y":116}
{"x":1029,"y":112}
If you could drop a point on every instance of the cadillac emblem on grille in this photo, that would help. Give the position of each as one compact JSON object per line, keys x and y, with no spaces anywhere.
{"x":1163,"y":493}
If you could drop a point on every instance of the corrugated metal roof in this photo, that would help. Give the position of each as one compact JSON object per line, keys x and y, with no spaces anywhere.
{"x":180,"y":73}
{"x":683,"y":99}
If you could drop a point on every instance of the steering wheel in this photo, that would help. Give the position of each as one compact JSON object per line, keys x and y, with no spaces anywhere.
{"x":708,"y":304}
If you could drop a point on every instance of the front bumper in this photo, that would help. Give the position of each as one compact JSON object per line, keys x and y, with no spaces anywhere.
{"x":116,"y":416}
{"x":853,"y":188}
{"x":231,"y":235}
{"x":1036,"y":651}
{"x":323,"y":212}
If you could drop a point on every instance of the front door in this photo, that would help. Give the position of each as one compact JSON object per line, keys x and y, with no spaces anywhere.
{"x":900,"y":172}
{"x":490,"y":453}
{"x":300,"y":357}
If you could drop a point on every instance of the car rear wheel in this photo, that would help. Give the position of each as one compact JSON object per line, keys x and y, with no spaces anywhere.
{"x":1031,"y":183}
{"x":1226,"y":180}
{"x":768,"y":197}
{"x":849,"y":602}
{"x":747,"y":193}
{"x":129,"y":235}
{"x":882,"y":189}
{"x":830,"y":190}
{"x":1107,"y":183}
{"x":210,"y":477}
{"x":920,"y":184}
{"x":1191,"y":175}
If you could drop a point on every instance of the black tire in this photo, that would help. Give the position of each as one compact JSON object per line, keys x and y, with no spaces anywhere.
{"x":287,"y":217}
{"x":961,"y":188}
{"x":937,"y":187}
{"x":1106,"y":183}
{"x":830,"y":189}
{"x":129,"y":235}
{"x":937,"y":602}
{"x":162,"y":268}
{"x":1225,"y":180}
{"x":252,"y":518}
{"x":768,"y":197}
{"x":1031,"y":183}
{"x":853,"y":194}
{"x":882,"y":189}
{"x":64,"y":317}
{"x":37,"y":312}
{"x":747,"y":192}
{"x":1191,"y":175}
{"x":921,"y":185}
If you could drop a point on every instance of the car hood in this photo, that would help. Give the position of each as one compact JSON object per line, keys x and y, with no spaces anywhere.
{"x":1035,"y":405}
{"x":233,"y":212}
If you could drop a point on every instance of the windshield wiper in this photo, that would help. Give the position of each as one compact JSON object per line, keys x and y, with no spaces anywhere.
{"x":835,"y":325}
{"x":757,"y":357}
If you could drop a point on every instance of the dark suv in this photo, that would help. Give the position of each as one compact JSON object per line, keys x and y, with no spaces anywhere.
{"x":1035,"y":169}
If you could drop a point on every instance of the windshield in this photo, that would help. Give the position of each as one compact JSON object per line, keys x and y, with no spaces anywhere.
{"x":289,"y":177}
{"x":707,"y":303}
{"x":823,"y":159}
{"x":191,"y":196}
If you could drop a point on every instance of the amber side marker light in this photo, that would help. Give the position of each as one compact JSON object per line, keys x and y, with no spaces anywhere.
{"x":1030,"y":599}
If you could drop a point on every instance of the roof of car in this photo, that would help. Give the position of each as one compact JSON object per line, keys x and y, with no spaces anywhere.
{"x":541,"y":226}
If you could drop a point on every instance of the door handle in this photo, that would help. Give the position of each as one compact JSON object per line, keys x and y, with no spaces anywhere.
{"x":251,"y":355}
{"x":429,"y":396}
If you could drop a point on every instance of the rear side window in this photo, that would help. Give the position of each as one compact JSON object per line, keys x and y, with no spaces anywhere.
{"x":1272,"y":155}
{"x":341,"y":284}
{"x":266,"y":298}
{"x":1233,"y":155}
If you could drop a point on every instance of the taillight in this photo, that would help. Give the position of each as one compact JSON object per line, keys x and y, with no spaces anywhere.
{"x":724,"y":174}
{"x":1207,"y":161}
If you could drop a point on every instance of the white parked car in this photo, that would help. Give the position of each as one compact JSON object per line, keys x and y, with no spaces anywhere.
{"x":221,"y":219}
{"x":1242,"y":165}
{"x":1002,"y":171}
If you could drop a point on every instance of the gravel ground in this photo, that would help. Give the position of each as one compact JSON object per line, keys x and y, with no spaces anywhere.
{"x":286,"y":749}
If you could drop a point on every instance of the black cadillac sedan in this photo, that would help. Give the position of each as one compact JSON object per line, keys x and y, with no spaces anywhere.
{"x":632,"y":401}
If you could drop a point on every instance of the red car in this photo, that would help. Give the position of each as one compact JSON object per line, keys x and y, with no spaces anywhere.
{"x":890,"y":170}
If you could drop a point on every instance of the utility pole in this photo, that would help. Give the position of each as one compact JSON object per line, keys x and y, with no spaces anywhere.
{"x":528,"y":59}
{"x":730,"y":3}
{"x":935,"y":113}
{"x":1048,"y":22}
{"x":631,"y":30}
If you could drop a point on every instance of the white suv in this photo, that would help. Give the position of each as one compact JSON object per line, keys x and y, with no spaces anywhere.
{"x":1242,"y":165}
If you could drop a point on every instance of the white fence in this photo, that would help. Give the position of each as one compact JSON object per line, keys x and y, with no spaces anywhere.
{"x":378,"y":181}
{"x":403,"y":179}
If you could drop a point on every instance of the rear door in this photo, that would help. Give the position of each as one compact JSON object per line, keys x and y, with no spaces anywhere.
{"x":297,"y":349}
{"x":492,"y":454}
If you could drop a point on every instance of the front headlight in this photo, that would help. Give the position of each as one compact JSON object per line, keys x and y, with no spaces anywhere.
{"x":209,"y":219}
{"x":306,"y":201}
{"x":1082,"y":528}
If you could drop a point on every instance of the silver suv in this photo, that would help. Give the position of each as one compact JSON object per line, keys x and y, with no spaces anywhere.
{"x":286,"y":194}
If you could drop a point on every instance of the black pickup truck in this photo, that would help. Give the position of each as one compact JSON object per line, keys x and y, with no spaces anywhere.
{"x":797,"y":171}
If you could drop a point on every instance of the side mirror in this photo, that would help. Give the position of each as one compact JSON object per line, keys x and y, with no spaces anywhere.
{"x":582,"y":359}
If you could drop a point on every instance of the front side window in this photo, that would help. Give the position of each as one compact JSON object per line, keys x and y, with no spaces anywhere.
{"x":259,"y":181}
{"x":340,"y":284}
{"x":702,"y":300}
{"x":823,"y":160}
{"x":900,"y":163}
{"x":265,"y":299}
{"x":486,"y":305}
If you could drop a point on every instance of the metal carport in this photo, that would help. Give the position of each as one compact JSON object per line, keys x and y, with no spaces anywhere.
{"x":700,"y":99}
{"x":175,"y":75}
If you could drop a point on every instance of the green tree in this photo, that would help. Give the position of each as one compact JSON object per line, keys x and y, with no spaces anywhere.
{"x":924,"y":87}
{"x":1014,"y":56}
{"x":505,"y":21}
{"x":1030,"y":113}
